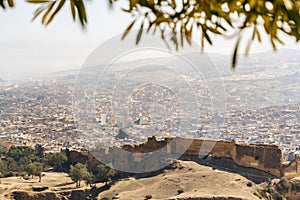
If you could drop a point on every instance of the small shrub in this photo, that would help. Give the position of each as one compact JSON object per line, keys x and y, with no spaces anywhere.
{"x":269,"y":190}
{"x":84,"y":149}
{"x":9,"y":174}
{"x":284,"y":185}
{"x":149,"y":196}
{"x":280,"y":197}
{"x":22,"y":174}
{"x":105,"y":198}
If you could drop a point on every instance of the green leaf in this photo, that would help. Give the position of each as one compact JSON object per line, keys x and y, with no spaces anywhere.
{"x":207,"y":36}
{"x":139,"y":35}
{"x":37,"y":12}
{"x":248,"y":47}
{"x":258,"y":35}
{"x":174,"y":39}
{"x":182,"y":35}
{"x":149,"y":27}
{"x":188,"y":35}
{"x":47,"y":12}
{"x":273,"y":44}
{"x":127,"y":30}
{"x":38,"y":1}
{"x":125,"y":10}
{"x":234,"y":57}
{"x":81,"y":11}
{"x":58,"y":8}
{"x":73,"y":11}
{"x":10,"y":3}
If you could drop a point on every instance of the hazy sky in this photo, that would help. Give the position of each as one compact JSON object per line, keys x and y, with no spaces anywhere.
{"x":28,"y":48}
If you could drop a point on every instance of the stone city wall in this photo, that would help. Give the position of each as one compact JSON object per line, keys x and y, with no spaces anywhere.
{"x":267,"y":158}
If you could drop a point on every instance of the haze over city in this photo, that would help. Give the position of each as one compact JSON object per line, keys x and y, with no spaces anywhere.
{"x":90,"y":112}
{"x":29,"y":49}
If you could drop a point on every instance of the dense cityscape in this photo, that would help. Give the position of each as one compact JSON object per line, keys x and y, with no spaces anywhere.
{"x":41,"y":112}
{"x":142,"y":100}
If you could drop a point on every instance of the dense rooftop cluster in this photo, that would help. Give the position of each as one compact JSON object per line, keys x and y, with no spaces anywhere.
{"x":41,"y":112}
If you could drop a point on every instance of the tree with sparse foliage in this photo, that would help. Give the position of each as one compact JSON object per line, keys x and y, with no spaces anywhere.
{"x":78,"y":173}
{"x":179,"y":20}
{"x":35,"y":169}
{"x":105,"y":173}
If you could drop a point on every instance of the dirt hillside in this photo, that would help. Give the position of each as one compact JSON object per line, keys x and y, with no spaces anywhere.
{"x":187,"y":180}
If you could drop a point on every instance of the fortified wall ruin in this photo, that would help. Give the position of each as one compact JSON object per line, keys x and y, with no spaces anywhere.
{"x":265,"y":158}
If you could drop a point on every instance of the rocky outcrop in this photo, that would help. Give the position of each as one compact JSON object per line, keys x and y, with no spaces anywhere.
{"x":24,"y":195}
{"x":287,"y":189}
{"x":295,"y":190}
{"x":65,"y":195}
